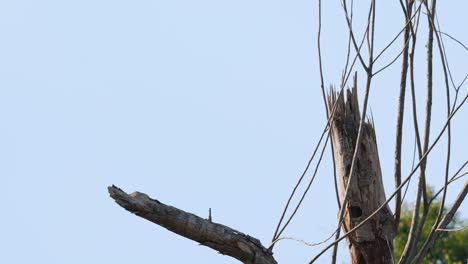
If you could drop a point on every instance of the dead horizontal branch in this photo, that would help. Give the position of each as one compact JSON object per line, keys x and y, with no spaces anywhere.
{"x":225,"y":240}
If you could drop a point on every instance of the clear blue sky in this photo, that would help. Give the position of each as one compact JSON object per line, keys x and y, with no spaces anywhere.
{"x":197,"y":103}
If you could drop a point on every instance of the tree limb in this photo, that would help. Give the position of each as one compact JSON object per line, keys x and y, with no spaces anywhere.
{"x":226,"y":240}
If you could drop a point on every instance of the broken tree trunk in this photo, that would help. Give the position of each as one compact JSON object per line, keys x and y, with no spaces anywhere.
{"x":372,"y":243}
{"x":226,"y":240}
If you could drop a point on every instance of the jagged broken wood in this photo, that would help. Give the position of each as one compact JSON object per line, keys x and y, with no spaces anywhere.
{"x":219,"y":237}
{"x":373,"y":242}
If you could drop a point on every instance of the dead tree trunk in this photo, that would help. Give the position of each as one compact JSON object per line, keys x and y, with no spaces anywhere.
{"x":372,"y":243}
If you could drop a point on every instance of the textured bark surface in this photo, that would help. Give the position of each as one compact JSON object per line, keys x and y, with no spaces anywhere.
{"x":372,"y":243}
{"x":224,"y":239}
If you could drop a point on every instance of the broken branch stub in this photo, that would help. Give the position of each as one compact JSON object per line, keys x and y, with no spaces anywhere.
{"x":225,"y":240}
{"x":372,"y":243}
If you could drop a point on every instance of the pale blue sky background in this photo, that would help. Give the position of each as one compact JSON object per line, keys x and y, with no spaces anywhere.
{"x":197,"y":103}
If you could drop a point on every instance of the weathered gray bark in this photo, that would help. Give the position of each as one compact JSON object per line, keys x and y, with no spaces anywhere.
{"x":226,"y":240}
{"x":372,"y":243}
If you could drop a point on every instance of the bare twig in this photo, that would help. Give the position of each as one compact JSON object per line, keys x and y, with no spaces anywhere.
{"x":348,"y":20}
{"x":454,"y":39}
{"x":462,"y":82}
{"x":276,"y":234}
{"x":409,"y":18}
{"x":306,"y":190}
{"x":322,"y":86}
{"x":453,"y":229}
{"x":335,"y":178}
{"x":443,"y":51}
{"x":455,"y":177}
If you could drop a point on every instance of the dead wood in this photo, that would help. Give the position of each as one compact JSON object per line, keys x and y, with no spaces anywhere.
{"x":372,"y":243}
{"x":219,"y":237}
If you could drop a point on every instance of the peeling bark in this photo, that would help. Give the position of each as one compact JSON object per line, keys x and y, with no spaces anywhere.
{"x":225,"y":240}
{"x":372,"y":243}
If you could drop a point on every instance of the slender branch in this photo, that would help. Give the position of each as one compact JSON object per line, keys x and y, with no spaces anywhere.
{"x":409,"y":18}
{"x":416,"y":225}
{"x":454,"y":39}
{"x":331,"y":115}
{"x":400,"y":114}
{"x":348,"y":20}
{"x":437,"y":223}
{"x":390,"y":63}
{"x":224,"y":239}
{"x":277,"y":234}
{"x":462,"y":82}
{"x":453,"y":229}
{"x":429,"y":89}
{"x":442,"y":49}
{"x":348,"y":51}
{"x":283,"y":214}
{"x":305,"y":191}
{"x":302,"y":241}
{"x":454,"y":178}
{"x":322,"y":87}
{"x":426,"y":210}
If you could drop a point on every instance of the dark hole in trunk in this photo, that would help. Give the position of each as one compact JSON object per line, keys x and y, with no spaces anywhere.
{"x":355,"y":211}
